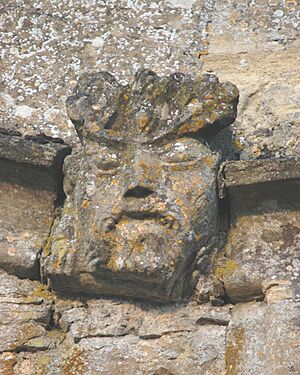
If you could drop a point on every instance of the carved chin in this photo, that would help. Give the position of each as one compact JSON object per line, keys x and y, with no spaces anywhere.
{"x":143,"y":246}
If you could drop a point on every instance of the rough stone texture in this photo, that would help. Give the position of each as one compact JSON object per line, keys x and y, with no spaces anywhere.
{"x":25,"y":315}
{"x":255,"y":44}
{"x":30,"y":183}
{"x":189,"y":339}
{"x":264,"y":338}
{"x":263,"y":242}
{"x":46,"y":45}
{"x":141,"y":194}
{"x":251,"y":172}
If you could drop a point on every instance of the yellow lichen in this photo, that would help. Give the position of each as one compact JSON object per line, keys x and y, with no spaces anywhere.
{"x":47,"y":248}
{"x":40,"y":292}
{"x":112,"y":264}
{"x":202,"y":53}
{"x":74,"y":365}
{"x":226,"y":270}
{"x":233,"y":350}
{"x":238,"y":146}
{"x":7,"y":361}
{"x":208,"y":96}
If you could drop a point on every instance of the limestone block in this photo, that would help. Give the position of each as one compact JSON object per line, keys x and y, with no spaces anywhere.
{"x":264,"y":339}
{"x":30,"y":184}
{"x":25,"y":309}
{"x":263,"y":241}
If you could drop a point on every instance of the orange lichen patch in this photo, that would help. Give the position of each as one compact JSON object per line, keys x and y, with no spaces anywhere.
{"x":74,"y":365}
{"x":208,"y":96}
{"x":192,"y":127}
{"x":7,"y":362}
{"x":85,"y":204}
{"x":209,"y":161}
{"x":116,"y":210}
{"x":202,"y":53}
{"x":233,"y":351}
{"x":113,"y":133}
{"x":112,"y":264}
{"x":197,"y":236}
{"x":194,"y":101}
{"x":72,"y":250}
{"x":61,"y":250}
{"x":179,"y":202}
{"x":137,"y":246}
{"x":196,"y":181}
{"x":234,"y":17}
{"x":11,"y":251}
{"x":149,"y":170}
{"x":208,"y":27}
{"x":142,"y":120}
{"x":168,"y":146}
{"x":123,"y":221}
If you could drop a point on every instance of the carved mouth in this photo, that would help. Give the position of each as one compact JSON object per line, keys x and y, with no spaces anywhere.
{"x":166,"y":220}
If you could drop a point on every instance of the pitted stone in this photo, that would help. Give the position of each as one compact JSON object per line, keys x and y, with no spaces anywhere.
{"x":141,"y":192}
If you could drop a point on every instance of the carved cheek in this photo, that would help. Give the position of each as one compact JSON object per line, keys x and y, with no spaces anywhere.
{"x":188,"y":184}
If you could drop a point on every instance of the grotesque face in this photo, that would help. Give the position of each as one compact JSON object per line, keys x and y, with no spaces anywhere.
{"x":141,"y":194}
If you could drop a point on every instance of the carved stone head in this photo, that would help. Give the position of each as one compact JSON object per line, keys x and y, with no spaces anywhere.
{"x":141,"y":192}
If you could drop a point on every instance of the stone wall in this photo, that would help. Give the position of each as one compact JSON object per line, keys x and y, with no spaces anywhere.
{"x":244,"y":315}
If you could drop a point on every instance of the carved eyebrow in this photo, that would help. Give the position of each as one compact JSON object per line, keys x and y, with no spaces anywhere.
{"x":109,"y":140}
{"x":169,"y":133}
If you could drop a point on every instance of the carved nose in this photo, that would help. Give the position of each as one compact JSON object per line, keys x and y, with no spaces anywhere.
{"x":138,"y":192}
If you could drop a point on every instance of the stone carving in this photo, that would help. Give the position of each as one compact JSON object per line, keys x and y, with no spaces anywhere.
{"x":141,"y":191}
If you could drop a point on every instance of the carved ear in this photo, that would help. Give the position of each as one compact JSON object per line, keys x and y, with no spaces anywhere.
{"x":30,"y":184}
{"x":94,"y":102}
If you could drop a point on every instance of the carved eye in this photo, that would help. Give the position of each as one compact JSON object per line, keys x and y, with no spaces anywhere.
{"x":177,"y":153}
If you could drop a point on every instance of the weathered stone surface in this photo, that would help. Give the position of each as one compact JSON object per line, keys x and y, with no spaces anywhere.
{"x":249,"y":172}
{"x":101,"y":319}
{"x":263,"y":242}
{"x":141,"y":195}
{"x":25,"y":309}
{"x":109,"y":335}
{"x":30,"y":183}
{"x":254,"y":44}
{"x":47,"y":45}
{"x":264,"y":339}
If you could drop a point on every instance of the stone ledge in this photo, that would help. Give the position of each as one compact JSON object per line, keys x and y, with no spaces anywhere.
{"x":251,"y":172}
